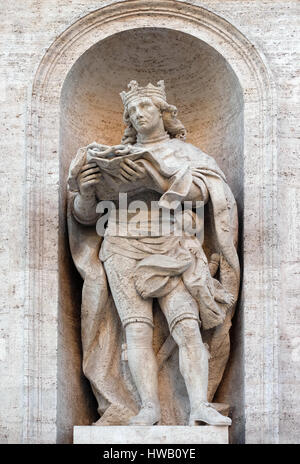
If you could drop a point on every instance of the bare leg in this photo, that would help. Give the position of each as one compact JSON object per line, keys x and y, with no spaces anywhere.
{"x":143,"y":367}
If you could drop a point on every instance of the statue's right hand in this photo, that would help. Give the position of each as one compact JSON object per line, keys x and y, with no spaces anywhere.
{"x":88,"y":178}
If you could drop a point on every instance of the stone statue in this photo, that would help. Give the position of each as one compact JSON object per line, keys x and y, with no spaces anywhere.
{"x":156,"y":305}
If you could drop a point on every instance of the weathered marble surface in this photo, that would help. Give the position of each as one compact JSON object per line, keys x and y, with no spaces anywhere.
{"x":151,"y":435}
{"x":27,"y":34}
{"x":196,"y":282}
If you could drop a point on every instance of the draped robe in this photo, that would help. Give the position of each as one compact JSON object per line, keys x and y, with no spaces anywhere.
{"x":173,"y":165}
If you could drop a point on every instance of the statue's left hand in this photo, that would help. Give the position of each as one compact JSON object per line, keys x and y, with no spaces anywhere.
{"x":131,"y":171}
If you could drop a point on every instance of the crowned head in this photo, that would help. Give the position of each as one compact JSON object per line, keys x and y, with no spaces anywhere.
{"x":150,"y":91}
{"x":157,"y":96}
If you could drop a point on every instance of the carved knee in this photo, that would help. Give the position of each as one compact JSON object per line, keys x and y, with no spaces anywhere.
{"x":138,"y":335}
{"x":186,"y":333}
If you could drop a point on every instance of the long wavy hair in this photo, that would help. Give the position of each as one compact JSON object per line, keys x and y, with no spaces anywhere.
{"x":172,"y":125}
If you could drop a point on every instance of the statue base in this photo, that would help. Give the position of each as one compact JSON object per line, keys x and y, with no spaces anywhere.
{"x":164,"y":434}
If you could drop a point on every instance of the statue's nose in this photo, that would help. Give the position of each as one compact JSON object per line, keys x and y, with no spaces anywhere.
{"x":138,"y":114}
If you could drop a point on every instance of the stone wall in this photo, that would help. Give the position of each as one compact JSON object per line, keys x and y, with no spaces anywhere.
{"x":27,"y":33}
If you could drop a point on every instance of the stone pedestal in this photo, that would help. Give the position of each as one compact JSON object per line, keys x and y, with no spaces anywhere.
{"x":150,"y":435}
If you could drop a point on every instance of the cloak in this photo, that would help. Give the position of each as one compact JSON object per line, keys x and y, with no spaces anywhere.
{"x":175,"y":165}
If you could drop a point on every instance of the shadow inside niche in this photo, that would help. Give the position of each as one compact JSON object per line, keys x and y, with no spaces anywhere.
{"x":209,"y":99}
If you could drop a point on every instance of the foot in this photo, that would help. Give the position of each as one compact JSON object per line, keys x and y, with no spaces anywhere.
{"x":149,"y":415}
{"x":207,"y":414}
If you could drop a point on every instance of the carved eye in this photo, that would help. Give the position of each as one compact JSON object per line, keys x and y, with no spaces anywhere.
{"x":145,"y":104}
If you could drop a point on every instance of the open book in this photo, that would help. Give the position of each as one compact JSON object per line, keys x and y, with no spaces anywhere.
{"x":111,"y":164}
{"x":108,"y":159}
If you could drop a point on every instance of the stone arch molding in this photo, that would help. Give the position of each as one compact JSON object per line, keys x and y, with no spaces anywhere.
{"x":258,"y":296}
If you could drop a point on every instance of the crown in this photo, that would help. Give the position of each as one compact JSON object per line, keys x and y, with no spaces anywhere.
{"x":148,"y":91}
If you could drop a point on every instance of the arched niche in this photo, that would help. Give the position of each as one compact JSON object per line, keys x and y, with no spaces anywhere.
{"x":209,"y":98}
{"x":224,"y":94}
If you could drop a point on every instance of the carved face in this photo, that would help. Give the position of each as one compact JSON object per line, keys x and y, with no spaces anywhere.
{"x":144,"y":115}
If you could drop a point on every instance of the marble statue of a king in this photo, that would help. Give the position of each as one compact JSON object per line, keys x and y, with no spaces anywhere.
{"x":158,"y":297}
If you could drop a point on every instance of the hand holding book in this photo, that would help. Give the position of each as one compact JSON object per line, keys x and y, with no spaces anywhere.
{"x":117,"y":161}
